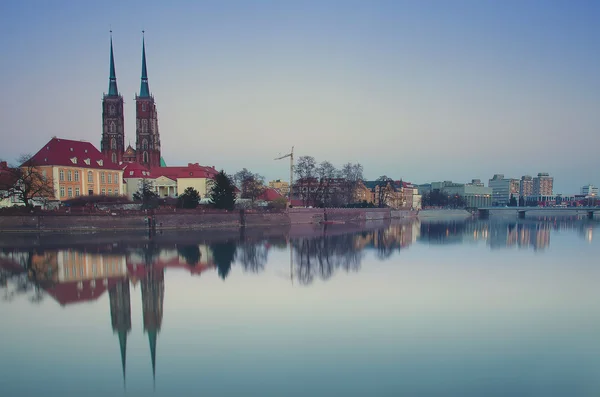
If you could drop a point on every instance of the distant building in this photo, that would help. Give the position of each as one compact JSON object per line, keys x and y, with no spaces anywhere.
{"x":503,"y":189}
{"x":526,"y":187}
{"x":542,"y":184}
{"x":589,"y":191}
{"x":475,"y":194}
{"x":282,"y":187}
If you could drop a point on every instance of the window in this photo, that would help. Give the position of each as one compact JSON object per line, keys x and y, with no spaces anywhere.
{"x":70,"y":192}
{"x":145,"y":157}
{"x":144,"y":125}
{"x":76,"y":176}
{"x":111,"y":110}
{"x":103,"y":191}
{"x":76,"y":192}
{"x":109,"y":177}
{"x":90,"y":192}
{"x":87,"y":161}
{"x":90,"y":177}
{"x":44,"y":174}
{"x":114,"y":157}
{"x":61,"y":175}
{"x":116,"y":178}
{"x":62,"y":191}
{"x":102,"y":177}
{"x":145,"y":144}
{"x":110,"y":192}
{"x":130,"y":173}
{"x":112,"y":127}
{"x":143,"y":107}
{"x":69,"y":176}
{"x":113,"y":143}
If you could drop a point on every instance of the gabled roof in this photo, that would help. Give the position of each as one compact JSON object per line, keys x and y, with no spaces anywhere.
{"x":269,"y":195}
{"x":190,"y":171}
{"x":135,"y":170}
{"x":70,"y":153}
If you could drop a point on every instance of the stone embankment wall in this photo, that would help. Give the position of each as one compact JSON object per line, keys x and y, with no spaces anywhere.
{"x":136,"y":220}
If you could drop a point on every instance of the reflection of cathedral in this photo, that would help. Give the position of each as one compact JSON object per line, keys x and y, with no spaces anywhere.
{"x":153,"y":291}
{"x":120,"y":315}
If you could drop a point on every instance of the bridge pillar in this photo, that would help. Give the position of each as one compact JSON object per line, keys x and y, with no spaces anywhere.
{"x":590,"y":214}
{"x":521,"y":214}
{"x":483,"y":214}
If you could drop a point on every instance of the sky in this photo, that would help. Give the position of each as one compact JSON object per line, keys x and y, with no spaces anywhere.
{"x":419,"y":90}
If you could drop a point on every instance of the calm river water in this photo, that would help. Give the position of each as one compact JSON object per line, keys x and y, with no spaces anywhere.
{"x":478,"y":308}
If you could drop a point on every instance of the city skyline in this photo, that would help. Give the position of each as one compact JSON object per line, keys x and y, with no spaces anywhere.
{"x":417,"y":91}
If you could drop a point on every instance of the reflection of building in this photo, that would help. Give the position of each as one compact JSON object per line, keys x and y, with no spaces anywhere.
{"x":153,"y":288}
{"x":120,"y":315}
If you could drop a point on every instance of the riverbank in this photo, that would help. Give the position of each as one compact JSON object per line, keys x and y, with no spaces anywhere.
{"x":127,"y":221}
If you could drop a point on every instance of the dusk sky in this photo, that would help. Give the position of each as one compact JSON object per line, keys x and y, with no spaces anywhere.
{"x":419,"y":90}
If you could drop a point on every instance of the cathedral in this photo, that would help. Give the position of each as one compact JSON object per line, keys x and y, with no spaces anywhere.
{"x":147,"y":138}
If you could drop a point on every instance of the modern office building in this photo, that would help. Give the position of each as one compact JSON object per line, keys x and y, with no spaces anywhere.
{"x":543,"y":184}
{"x":503,"y":189}
{"x":526,"y":186}
{"x":589,"y":191}
{"x":475,"y":194}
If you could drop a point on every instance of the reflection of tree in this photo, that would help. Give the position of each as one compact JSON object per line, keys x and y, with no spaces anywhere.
{"x":150,"y":253}
{"x":35,"y":271}
{"x":320,"y":257}
{"x":191,"y":254}
{"x":253,"y":256}
{"x":223,"y":255}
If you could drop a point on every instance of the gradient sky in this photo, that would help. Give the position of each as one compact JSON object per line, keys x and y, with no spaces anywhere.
{"x":420,"y":90}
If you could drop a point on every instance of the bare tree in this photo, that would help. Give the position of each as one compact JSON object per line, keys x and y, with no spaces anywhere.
{"x":27,"y":183}
{"x":306,"y":183}
{"x":250,"y":184}
{"x":383,"y":190}
{"x":351,"y":175}
{"x":326,"y":173}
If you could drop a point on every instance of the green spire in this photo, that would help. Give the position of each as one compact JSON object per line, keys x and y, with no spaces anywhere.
{"x":123,"y":345}
{"x":144,"y":90}
{"x":112,"y":80}
{"x":152,"y":339}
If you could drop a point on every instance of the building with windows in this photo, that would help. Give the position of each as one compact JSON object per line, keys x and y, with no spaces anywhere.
{"x":77,"y":168}
{"x":589,"y":191}
{"x":526,"y":186}
{"x":543,"y":184}
{"x":475,"y":194}
{"x":503,"y":189}
{"x":282,"y":187}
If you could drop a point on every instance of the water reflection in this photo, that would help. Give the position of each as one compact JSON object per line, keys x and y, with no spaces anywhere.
{"x":83,"y":273}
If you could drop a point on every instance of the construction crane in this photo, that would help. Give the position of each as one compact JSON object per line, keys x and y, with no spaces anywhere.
{"x":291,"y":156}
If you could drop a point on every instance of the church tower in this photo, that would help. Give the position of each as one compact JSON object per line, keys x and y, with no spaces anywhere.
{"x":147,"y":145}
{"x":113,"y":122}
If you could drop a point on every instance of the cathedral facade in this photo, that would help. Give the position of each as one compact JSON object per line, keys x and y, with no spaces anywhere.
{"x":147,"y":137}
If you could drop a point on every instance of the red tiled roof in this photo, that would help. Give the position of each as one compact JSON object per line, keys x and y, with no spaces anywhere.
{"x":135,"y":170}
{"x":7,"y":177}
{"x":68,"y":292}
{"x":269,"y":195}
{"x":189,"y":171}
{"x":60,"y":152}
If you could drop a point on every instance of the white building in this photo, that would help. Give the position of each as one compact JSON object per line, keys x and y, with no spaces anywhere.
{"x":503,"y":188}
{"x":589,"y":191}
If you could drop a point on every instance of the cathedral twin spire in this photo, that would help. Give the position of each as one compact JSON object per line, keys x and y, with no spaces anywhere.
{"x":112,"y":79}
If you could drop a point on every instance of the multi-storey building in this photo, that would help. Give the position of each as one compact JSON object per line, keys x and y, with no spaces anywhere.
{"x":475,"y":194}
{"x":77,"y":168}
{"x":503,"y":189}
{"x":542,"y":184}
{"x":589,"y":191}
{"x":526,"y":186}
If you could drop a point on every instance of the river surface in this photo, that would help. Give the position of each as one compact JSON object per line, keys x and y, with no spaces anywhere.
{"x":476,"y":308}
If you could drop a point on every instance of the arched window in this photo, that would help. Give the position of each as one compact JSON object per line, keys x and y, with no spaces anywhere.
{"x":145,"y":144}
{"x":144,"y":125}
{"x":62,"y":175}
{"x":113,"y":127}
{"x":112,"y":111}
{"x":114,"y":157}
{"x":113,"y":143}
{"x":145,"y":157}
{"x":90,"y":177}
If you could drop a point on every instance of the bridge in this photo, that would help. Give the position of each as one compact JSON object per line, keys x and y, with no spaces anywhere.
{"x":520,"y":212}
